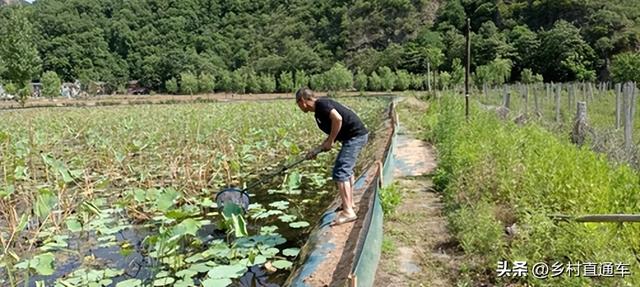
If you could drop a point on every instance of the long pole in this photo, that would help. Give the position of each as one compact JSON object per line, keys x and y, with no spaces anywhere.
{"x":468,"y":67}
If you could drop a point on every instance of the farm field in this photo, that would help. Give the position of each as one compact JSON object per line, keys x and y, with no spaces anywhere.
{"x":603,"y":135}
{"x":124,"y":195}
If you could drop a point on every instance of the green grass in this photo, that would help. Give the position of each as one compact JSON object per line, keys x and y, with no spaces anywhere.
{"x":494,"y":174}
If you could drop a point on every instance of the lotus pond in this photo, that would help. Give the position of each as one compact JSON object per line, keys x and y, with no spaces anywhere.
{"x":124,"y":196}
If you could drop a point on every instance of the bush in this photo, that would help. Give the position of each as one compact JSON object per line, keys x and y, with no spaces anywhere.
{"x":375,"y":82}
{"x":417,"y":82}
{"x":403,"y":80}
{"x":51,"y":84}
{"x":338,"y":78}
{"x":267,"y":83}
{"x":286,"y":82}
{"x":225,"y":83}
{"x":388,"y":78}
{"x":206,"y":83}
{"x":238,"y":82}
{"x":253,"y":83}
{"x":360,"y":82}
{"x":318,"y":82}
{"x":302,"y":80}
{"x":171,"y":86}
{"x":188,"y":83}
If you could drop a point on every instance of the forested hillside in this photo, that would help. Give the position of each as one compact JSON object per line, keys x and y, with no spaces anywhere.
{"x":156,"y":40}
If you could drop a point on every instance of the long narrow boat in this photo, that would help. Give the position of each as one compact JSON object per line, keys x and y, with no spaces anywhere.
{"x":348,"y":254}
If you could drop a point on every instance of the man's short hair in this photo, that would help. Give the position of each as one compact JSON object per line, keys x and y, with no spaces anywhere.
{"x":304,"y":94}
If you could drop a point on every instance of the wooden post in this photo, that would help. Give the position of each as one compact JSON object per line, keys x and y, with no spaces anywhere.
{"x":535,"y":100}
{"x":628,"y":116}
{"x":429,"y":76}
{"x":580,"y":124}
{"x":590,"y":91}
{"x":572,"y":91}
{"x":618,"y":105}
{"x":506,"y":100}
{"x":525,"y":93}
{"x":558,"y":91}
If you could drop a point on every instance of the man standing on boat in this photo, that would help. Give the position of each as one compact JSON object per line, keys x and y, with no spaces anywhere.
{"x":340,"y":123}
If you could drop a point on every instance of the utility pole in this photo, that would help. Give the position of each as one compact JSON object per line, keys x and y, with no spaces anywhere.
{"x":467,"y":68}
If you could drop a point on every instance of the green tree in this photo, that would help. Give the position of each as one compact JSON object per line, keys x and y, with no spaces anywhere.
{"x":51,"y":84}
{"x":417,"y":82}
{"x":528,"y":77}
{"x":564,"y":54}
{"x":452,"y":13}
{"x":501,"y":69}
{"x":226,"y":83}
{"x":286,"y":82}
{"x":375,"y":82}
{"x":238,"y":81}
{"x":253,"y":83}
{"x":318,"y":82}
{"x":388,"y":78}
{"x":625,"y":67}
{"x":267,"y":83}
{"x":171,"y":85}
{"x":338,"y":78}
{"x":360,"y":81}
{"x":445,"y":80}
{"x":302,"y":80}
{"x":527,"y":45}
{"x":457,"y":73}
{"x":18,"y":49}
{"x":206,"y":83}
{"x":403,"y":80}
{"x":188,"y":83}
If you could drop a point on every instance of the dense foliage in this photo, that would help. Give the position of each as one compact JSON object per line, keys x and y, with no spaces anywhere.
{"x":257,"y":42}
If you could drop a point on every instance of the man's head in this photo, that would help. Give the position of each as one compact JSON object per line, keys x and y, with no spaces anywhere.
{"x":305,"y":100}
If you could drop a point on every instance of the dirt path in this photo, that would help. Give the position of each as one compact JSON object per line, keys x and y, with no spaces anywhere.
{"x":417,"y":247}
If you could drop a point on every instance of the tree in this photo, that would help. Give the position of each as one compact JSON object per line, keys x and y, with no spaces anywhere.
{"x":338,"y":78}
{"x":18,"y":49}
{"x":238,"y":82}
{"x":388,"y":78}
{"x":403,"y":80}
{"x":452,"y":13}
{"x":360,"y":81}
{"x":625,"y":67}
{"x":457,"y":72}
{"x":375,"y":82}
{"x":564,"y":54}
{"x":527,"y":45}
{"x":253,"y":83}
{"x":302,"y":80}
{"x":206,"y":83}
{"x":51,"y":84}
{"x":490,"y":44}
{"x":188,"y":83}
{"x":318,"y":82}
{"x":501,"y":69}
{"x":171,"y":85}
{"x":226,"y":83}
{"x":417,"y":81}
{"x":286,"y":82}
{"x":267,"y":83}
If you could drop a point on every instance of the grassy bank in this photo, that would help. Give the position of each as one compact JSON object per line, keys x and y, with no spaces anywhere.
{"x":501,"y":184}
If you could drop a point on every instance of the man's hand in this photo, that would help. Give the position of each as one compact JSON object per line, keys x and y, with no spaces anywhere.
{"x":313,"y":153}
{"x":326,"y":145}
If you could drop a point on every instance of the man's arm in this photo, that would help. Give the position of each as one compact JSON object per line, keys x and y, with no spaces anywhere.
{"x":336,"y":125}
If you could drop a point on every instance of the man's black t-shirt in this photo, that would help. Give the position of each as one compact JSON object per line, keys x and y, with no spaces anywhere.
{"x":352,"y":126}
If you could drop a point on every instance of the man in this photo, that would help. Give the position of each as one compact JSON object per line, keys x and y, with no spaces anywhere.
{"x":340,"y":124}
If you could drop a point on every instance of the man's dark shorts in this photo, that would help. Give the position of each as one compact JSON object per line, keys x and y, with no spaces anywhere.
{"x":346,"y":159}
